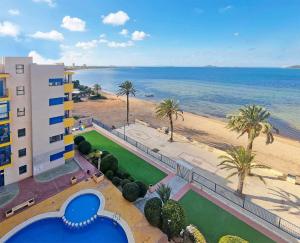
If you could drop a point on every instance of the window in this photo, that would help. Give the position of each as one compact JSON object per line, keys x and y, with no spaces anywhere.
{"x":55,"y":81}
{"x":21,"y":132}
{"x":19,"y":69}
{"x":56,"y":156}
{"x":20,"y":112}
{"x":55,"y":120}
{"x":22,"y":152}
{"x":56,"y":138}
{"x":22,"y":169}
{"x":20,"y":90}
{"x":69,"y":148}
{"x":56,"y":101}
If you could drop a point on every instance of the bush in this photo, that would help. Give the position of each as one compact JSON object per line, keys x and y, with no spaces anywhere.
{"x":231,"y":239}
{"x":152,"y":211}
{"x":193,"y":234}
{"x":124,"y":182}
{"x":143,"y":188}
{"x":85,"y":147}
{"x":131,"y":178}
{"x":109,"y":174}
{"x":126,"y":175}
{"x":116,"y":181}
{"x":109,"y":162}
{"x":173,"y":211}
{"x":120,"y":173}
{"x":78,"y":140}
{"x":104,"y":153}
{"x":131,"y":191}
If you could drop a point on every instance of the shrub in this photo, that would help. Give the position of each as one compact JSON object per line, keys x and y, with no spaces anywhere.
{"x":131,"y":191}
{"x":173,"y":218}
{"x":120,"y":173}
{"x":78,"y":140}
{"x":116,"y":181}
{"x":164,"y":192}
{"x":104,"y":154}
{"x":152,"y":211}
{"x":131,"y":178}
{"x":109,"y":174}
{"x":85,"y":147}
{"x":194,"y":234}
{"x":109,"y":162}
{"x":231,"y":239}
{"x":124,"y":182}
{"x":126,"y":175}
{"x":143,"y":188}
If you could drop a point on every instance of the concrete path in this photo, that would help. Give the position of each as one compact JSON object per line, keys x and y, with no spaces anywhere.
{"x":278,"y":196}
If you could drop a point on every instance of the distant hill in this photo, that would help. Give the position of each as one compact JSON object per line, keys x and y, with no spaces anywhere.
{"x":294,"y":66}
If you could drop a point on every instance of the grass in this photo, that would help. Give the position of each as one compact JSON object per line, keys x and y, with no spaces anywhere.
{"x":138,"y":168}
{"x":214,"y":222}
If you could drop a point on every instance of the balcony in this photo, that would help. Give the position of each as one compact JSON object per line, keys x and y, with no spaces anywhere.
{"x":5,"y":118}
{"x":68,"y":88}
{"x":68,"y":105}
{"x":5,"y":157}
{"x":69,"y":122}
{"x":5,"y":139}
{"x":69,"y":139}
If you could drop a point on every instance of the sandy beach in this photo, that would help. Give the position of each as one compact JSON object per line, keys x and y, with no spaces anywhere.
{"x":283,"y":155}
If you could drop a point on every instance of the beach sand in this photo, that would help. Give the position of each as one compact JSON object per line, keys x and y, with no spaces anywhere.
{"x":283,"y":155}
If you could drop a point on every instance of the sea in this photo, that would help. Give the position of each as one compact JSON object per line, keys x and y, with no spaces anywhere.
{"x":212,"y":91}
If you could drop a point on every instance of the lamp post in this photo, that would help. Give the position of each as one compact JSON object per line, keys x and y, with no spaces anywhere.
{"x":99,"y":160}
{"x":169,"y":229}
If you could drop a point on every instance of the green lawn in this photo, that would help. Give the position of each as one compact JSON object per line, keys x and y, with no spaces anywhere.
{"x":215,"y":222}
{"x":138,"y":168}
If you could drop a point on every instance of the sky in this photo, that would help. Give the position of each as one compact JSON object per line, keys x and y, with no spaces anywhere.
{"x":249,"y":33}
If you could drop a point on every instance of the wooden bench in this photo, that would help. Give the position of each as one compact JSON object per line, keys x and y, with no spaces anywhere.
{"x":12,"y":211}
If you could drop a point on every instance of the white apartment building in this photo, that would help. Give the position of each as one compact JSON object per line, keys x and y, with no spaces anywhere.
{"x":35,"y":118}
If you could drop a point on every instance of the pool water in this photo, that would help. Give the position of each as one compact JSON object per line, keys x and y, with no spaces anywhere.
{"x":82,"y":208}
{"x":102,"y":230}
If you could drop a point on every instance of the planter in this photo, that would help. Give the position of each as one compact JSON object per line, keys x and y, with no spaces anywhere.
{"x":98,"y":177}
{"x":151,"y":188}
{"x":73,"y":180}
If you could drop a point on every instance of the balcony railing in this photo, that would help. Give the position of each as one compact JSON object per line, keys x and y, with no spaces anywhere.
{"x":5,"y":156}
{"x":4,"y":93}
{"x":4,"y":116}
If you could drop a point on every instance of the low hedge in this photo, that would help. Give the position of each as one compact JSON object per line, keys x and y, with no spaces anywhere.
{"x":109,"y":174}
{"x":79,"y":139}
{"x":131,"y":191}
{"x":143,"y":188}
{"x":232,"y":239}
{"x":85,"y":147}
{"x":152,"y":211}
{"x":124,"y":182}
{"x":116,"y":181}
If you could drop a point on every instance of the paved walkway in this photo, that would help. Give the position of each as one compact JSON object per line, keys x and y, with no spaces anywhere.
{"x":278,"y":196}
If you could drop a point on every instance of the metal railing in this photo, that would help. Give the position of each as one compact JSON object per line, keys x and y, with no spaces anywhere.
{"x":210,"y":186}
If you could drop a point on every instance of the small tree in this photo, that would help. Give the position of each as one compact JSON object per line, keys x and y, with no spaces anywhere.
{"x":97,"y":88}
{"x":131,"y":191}
{"x":240,"y":160}
{"x":169,"y":109}
{"x":78,"y":140}
{"x":152,"y":211}
{"x":85,"y":147}
{"x":164,"y":192}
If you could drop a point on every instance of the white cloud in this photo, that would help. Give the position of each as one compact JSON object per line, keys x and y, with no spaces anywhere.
{"x":114,"y":44}
{"x":73,"y":24}
{"x":87,"y":45}
{"x":52,"y":35}
{"x":51,"y":3}
{"x":124,"y":32}
{"x":118,"y":18}
{"x":236,"y":34}
{"x":103,"y":41}
{"x":9,"y":29}
{"x":37,"y":58}
{"x":14,"y":12}
{"x":102,"y":35}
{"x":138,"y":35}
{"x":225,"y":9}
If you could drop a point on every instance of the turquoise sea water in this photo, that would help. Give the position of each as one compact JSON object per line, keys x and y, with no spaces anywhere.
{"x":213,"y":91}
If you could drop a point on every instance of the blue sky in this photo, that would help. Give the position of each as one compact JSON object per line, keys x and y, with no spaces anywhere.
{"x":153,"y":33}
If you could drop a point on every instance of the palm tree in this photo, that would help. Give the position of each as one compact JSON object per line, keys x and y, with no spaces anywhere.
{"x":240,"y":160}
{"x":126,"y":88}
{"x":169,"y":108}
{"x":97,"y":87}
{"x":164,"y":192}
{"x":252,"y":120}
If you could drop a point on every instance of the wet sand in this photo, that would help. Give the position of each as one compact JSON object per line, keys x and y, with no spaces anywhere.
{"x":283,"y":155}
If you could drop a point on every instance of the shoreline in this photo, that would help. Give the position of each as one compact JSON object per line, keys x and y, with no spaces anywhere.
{"x":283,"y":155}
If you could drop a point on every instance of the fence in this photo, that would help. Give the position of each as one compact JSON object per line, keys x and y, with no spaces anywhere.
{"x":210,"y":186}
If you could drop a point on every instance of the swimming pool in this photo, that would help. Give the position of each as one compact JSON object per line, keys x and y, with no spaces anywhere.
{"x":82,"y":218}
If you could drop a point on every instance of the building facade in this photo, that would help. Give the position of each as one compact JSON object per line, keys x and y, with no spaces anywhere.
{"x":35,"y":118}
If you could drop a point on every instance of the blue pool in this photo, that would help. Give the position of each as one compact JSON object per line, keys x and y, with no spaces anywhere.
{"x":79,"y":209}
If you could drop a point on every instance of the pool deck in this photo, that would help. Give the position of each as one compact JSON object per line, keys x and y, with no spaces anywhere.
{"x":114,"y":202}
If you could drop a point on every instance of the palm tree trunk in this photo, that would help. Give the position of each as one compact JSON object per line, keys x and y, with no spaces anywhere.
{"x":249,"y":148}
{"x":171,"y":127}
{"x":127,"y":109}
{"x":241,"y":183}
